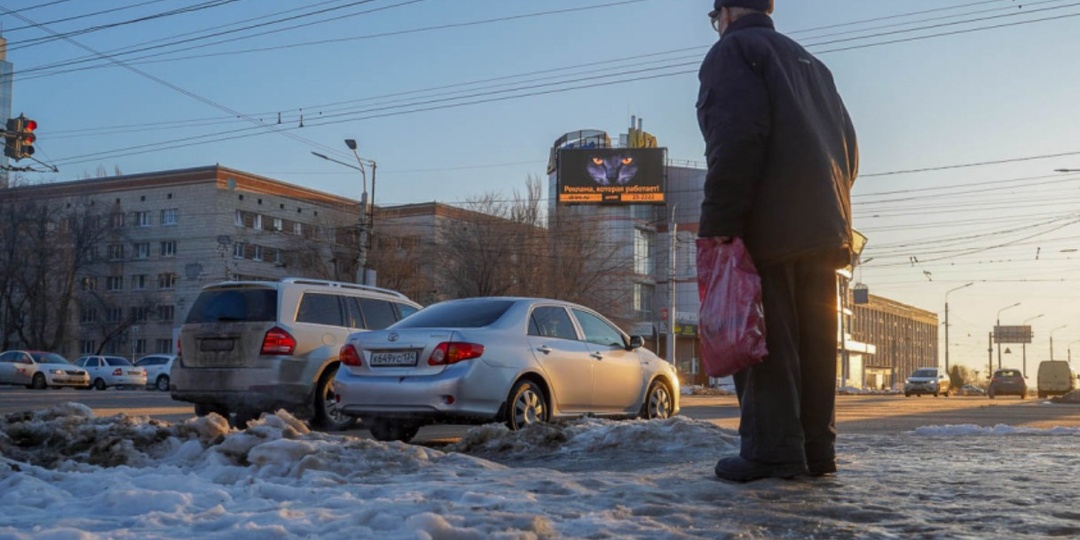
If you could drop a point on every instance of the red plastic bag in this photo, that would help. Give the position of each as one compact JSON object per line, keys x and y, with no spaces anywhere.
{"x":731,"y":320}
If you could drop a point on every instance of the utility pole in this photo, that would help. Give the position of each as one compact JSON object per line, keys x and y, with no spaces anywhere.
{"x":673,"y":234}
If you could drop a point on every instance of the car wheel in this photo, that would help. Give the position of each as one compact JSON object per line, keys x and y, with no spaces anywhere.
{"x":162,"y":383}
{"x":935,"y":394}
{"x":527,"y":406}
{"x":383,"y":429}
{"x":990,"y":395}
{"x":204,"y":409}
{"x":99,"y":384}
{"x":38,"y":382}
{"x":657,"y":402}
{"x":241,"y":418}
{"x":327,"y":416}
{"x":947,"y":393}
{"x":907,"y":394}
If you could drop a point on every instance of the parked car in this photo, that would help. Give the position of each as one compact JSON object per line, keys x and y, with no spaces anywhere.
{"x":1055,"y":378}
{"x":40,"y":370}
{"x":927,"y":380}
{"x":115,"y":371}
{"x":157,"y":368}
{"x":248,"y":347}
{"x":512,"y":360}
{"x":1007,"y":382}
{"x":972,"y":390}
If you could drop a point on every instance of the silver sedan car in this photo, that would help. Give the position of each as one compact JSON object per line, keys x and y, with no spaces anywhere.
{"x":513,"y":360}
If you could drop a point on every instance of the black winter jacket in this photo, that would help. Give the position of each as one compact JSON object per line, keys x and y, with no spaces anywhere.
{"x":781,"y":149}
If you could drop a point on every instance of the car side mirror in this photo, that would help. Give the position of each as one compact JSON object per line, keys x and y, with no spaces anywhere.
{"x":636,"y":342}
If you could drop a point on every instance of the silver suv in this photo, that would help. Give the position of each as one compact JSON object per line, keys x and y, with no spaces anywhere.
{"x":927,"y":380}
{"x":249,"y":347}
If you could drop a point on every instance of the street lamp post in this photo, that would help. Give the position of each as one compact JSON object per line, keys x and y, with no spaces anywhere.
{"x":367,"y":211}
{"x":1051,"y":333}
{"x":998,"y":325}
{"x":947,"y":321}
{"x":1023,"y":346}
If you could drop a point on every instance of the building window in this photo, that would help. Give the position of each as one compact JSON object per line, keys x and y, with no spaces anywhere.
{"x":115,"y":314}
{"x":164,"y":346}
{"x":168,"y":248}
{"x":116,"y":220}
{"x":239,"y":219}
{"x":88,"y":315}
{"x":279,"y":224}
{"x":89,"y":283}
{"x":166,"y":313}
{"x":87,"y":346}
{"x":298,"y":228}
{"x":643,"y":260}
{"x":256,"y":253}
{"x":140,"y":313}
{"x":169,"y":216}
{"x":238,"y":250}
{"x":643,"y":302}
{"x":138,"y":282}
{"x":166,"y":280}
{"x":142,"y":250}
{"x":116,"y":252}
{"x":256,"y":222}
{"x":114,"y":283}
{"x":142,"y":219}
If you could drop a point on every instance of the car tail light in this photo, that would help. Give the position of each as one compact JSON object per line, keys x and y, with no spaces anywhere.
{"x":350,"y":356}
{"x":178,"y":347}
{"x":117,"y":372}
{"x":278,"y":341}
{"x":452,"y":352}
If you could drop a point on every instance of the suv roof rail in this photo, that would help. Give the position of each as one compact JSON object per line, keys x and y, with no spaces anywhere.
{"x":343,"y":285}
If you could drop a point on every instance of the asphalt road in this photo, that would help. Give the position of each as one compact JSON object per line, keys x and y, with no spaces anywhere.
{"x":855,"y":413}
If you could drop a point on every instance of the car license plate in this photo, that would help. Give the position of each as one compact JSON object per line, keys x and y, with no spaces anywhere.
{"x":394,"y":359}
{"x":216,"y":344}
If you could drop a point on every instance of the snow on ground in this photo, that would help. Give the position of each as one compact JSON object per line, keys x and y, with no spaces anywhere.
{"x":66,"y":474}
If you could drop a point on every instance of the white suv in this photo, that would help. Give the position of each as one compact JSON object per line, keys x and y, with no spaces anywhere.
{"x":249,"y":347}
{"x":927,"y":380}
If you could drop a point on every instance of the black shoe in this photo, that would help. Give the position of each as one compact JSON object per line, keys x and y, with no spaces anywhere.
{"x":822,"y":468}
{"x":737,"y":469}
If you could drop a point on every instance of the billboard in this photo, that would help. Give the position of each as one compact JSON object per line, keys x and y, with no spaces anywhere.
{"x":1012,"y":334}
{"x":611,"y":176}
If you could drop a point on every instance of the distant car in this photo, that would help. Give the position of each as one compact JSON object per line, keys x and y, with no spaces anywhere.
{"x":497,"y":359}
{"x":972,"y":390}
{"x":40,"y":370}
{"x":116,"y":371}
{"x":157,"y":368}
{"x":1055,"y":378}
{"x":1007,"y":382}
{"x":928,"y":380}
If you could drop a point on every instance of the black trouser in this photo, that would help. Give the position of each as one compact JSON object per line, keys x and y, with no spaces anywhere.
{"x":788,"y":401}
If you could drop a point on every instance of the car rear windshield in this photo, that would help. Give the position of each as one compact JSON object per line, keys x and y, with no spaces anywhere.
{"x":230,"y":305}
{"x":457,"y":315}
{"x":117,"y":361}
{"x":1010,"y":373}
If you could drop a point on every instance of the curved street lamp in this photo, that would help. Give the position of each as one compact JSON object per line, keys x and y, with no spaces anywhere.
{"x":947,"y":321}
{"x":1024,"y":345}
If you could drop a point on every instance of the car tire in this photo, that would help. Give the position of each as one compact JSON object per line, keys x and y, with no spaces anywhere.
{"x":658,"y":402}
{"x":162,"y":383}
{"x":38,"y":382}
{"x":327,"y":416}
{"x":907,"y":394}
{"x":386,"y":430}
{"x":204,"y":409}
{"x":99,"y":384}
{"x":990,"y":395}
{"x":935,"y":394}
{"x":241,"y":418}
{"x":526,"y":405}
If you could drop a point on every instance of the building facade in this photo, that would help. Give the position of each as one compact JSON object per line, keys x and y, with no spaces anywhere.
{"x":905,"y":339}
{"x":154,"y":240}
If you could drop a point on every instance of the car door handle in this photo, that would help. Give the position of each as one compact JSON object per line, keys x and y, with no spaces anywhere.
{"x":544,"y":349}
{"x":597,"y":356}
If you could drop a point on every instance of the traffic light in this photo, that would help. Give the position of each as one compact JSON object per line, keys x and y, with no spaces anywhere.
{"x":19,"y":137}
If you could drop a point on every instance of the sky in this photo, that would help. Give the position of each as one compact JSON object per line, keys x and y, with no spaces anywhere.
{"x":66,"y":473}
{"x":964,"y":109}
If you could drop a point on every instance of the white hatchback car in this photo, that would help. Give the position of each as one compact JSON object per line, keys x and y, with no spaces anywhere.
{"x":106,"y":371}
{"x":157,"y":368}
{"x":513,"y":360}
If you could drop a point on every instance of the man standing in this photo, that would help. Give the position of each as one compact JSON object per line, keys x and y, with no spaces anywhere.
{"x":782,"y":158}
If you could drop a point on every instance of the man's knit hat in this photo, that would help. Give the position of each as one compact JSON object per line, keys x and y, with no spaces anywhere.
{"x":760,"y":5}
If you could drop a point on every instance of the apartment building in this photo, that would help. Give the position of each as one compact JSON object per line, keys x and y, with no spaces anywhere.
{"x":158,"y":238}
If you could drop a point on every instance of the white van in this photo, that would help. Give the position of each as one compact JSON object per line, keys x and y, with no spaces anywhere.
{"x":1055,"y":378}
